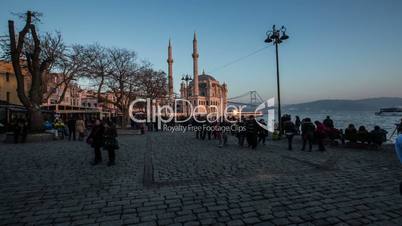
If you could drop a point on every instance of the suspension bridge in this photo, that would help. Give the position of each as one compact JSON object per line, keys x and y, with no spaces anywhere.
{"x":250,"y":98}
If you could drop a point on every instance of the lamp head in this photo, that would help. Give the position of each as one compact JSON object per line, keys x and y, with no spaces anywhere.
{"x":275,"y":35}
{"x":284,"y":36}
{"x":268,"y":40}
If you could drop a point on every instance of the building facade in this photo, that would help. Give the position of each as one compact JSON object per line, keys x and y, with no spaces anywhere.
{"x":75,"y":101}
{"x":8,"y":84}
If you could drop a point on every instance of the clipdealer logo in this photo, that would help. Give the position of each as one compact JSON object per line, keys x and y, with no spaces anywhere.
{"x":269,"y":106}
{"x":163,"y":114}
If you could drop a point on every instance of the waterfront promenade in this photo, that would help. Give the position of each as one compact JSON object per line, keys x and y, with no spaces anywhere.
{"x":174,"y":179}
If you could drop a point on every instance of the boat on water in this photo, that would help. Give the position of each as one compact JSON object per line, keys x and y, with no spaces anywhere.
{"x":396,"y":111}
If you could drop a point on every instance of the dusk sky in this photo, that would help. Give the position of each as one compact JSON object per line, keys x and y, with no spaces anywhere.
{"x":337,"y":49}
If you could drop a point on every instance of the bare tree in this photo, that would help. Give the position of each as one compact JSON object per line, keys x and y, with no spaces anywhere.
{"x":69,"y":67}
{"x":152,"y":84}
{"x":97,"y":66}
{"x":122,"y":82}
{"x":28,"y":49}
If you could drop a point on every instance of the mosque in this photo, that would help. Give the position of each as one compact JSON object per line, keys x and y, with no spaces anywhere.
{"x":203,"y":90}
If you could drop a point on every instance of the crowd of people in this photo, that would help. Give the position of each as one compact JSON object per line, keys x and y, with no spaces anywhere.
{"x":73,"y":128}
{"x":102,"y":134}
{"x":246,"y":130}
{"x":317,"y":132}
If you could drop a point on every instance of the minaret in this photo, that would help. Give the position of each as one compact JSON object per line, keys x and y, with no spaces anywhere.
{"x":170,"y":70}
{"x":195,"y":66}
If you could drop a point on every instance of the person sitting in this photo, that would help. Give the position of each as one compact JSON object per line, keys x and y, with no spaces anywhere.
{"x":60,"y":128}
{"x":47,"y":125}
{"x":398,"y":150}
{"x":351,"y":134}
{"x":399,"y":127}
{"x":363,"y":135}
{"x":378,"y":136}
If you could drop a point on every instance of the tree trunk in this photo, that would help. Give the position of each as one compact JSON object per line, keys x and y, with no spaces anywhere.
{"x":125,"y":118}
{"x":63,"y":94}
{"x":100,"y":87}
{"x":36,"y":120}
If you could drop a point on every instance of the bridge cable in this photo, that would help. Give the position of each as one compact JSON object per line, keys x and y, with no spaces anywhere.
{"x":239,"y":59}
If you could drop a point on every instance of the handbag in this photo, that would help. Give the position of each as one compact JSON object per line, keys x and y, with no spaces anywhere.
{"x":111,"y":143}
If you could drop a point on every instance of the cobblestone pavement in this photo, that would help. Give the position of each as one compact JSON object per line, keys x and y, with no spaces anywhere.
{"x":174,"y":179}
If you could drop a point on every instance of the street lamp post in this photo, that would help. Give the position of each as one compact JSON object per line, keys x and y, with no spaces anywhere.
{"x":276,"y":36}
{"x":186,"y":79}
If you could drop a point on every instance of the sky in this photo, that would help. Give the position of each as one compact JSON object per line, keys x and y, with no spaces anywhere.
{"x":343,"y":49}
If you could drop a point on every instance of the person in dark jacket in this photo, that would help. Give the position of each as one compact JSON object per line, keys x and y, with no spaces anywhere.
{"x":71,"y":128}
{"x":378,"y":136}
{"x":95,"y":138}
{"x":328,"y":122}
{"x":398,"y":150}
{"x":363,"y":135}
{"x":307,"y":129}
{"x":110,"y":142}
{"x":297,"y":124}
{"x":399,"y":127}
{"x":20,"y":128}
{"x":241,"y":131}
{"x":251,"y":131}
{"x":351,"y":133}
{"x":290,"y":130}
{"x":262,"y":132}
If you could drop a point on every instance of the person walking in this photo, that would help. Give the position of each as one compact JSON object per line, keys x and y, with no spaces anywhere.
{"x":95,"y":139}
{"x":290,"y":130}
{"x":80,"y":128}
{"x":111,"y":143}
{"x":208,"y":129}
{"x":241,"y":131}
{"x":251,"y":132}
{"x":223,"y":136}
{"x":262,"y":132}
{"x":307,"y":132}
{"x":71,"y":128}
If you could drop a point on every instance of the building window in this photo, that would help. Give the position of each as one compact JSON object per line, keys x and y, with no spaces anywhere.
{"x":8,"y":97}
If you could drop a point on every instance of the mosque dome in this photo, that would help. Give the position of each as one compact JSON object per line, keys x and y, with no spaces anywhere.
{"x":206,"y":77}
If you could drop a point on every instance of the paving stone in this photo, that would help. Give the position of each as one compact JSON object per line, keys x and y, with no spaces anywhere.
{"x":235,"y":223}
